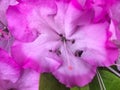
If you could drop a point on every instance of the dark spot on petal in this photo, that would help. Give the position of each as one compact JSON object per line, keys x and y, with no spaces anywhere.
{"x":50,"y":50}
{"x":73,"y":41}
{"x":6,"y":30}
{"x":63,"y":39}
{"x":78,"y":53}
{"x":58,"y":52}
{"x":61,"y":35}
{"x":12,"y":89}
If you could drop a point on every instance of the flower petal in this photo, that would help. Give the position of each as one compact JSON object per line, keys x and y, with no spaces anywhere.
{"x":36,"y":54}
{"x":3,"y":7}
{"x":74,"y":72}
{"x":9,"y":70}
{"x":93,"y":40}
{"x":29,"y":80}
{"x":32,"y":19}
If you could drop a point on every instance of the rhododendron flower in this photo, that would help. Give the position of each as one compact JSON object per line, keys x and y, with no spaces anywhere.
{"x":58,"y":36}
{"x":6,"y":39}
{"x":12,"y":77}
{"x":29,"y":80}
{"x":115,"y":21}
{"x":101,"y":8}
{"x":9,"y":70}
{"x":3,"y":7}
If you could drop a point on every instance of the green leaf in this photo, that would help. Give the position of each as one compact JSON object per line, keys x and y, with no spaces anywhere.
{"x":48,"y":82}
{"x":111,"y":81}
{"x":82,"y":88}
{"x":85,"y":88}
{"x":75,"y":88}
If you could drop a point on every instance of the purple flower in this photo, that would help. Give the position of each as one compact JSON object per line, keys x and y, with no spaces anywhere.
{"x":3,"y":7}
{"x":5,"y":37}
{"x":101,"y":8}
{"x":114,"y":13}
{"x":58,"y":36}
{"x":13,"y":77}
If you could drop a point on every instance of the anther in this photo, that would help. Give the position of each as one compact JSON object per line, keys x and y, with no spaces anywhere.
{"x":63,"y":39}
{"x":73,"y":41}
{"x":58,"y":52}
{"x":60,"y":35}
{"x":50,"y":50}
{"x":78,"y":53}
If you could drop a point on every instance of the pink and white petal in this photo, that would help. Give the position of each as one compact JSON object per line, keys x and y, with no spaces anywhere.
{"x":101,"y":8}
{"x":42,"y":17}
{"x":9,"y":70}
{"x":29,"y":80}
{"x":74,"y":72}
{"x":75,"y":17}
{"x":79,"y":18}
{"x":93,"y":40}
{"x":36,"y":54}
{"x":59,"y":18}
{"x":34,"y":20}
{"x":115,"y":11}
{"x":3,"y":7}
{"x":6,"y":44}
{"x":17,"y":22}
{"x":82,"y":4}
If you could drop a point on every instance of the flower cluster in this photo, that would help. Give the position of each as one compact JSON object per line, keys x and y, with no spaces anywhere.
{"x":68,"y":38}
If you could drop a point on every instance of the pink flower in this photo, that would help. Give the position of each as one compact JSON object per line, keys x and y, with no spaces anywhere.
{"x":12,"y":77}
{"x":9,"y":70}
{"x":101,"y":8}
{"x":29,"y":80}
{"x":61,"y":38}
{"x":114,"y":13}
{"x":3,"y":7}
{"x":5,"y":37}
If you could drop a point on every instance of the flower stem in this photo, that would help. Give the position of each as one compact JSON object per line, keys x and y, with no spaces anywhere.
{"x":101,"y":83}
{"x":114,"y":71}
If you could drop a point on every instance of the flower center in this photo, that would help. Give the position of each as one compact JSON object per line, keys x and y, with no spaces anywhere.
{"x":63,"y":39}
{"x":68,"y":55}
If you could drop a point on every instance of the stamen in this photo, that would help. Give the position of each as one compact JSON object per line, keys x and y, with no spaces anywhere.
{"x":63,"y":39}
{"x":5,"y":34}
{"x":60,"y":35}
{"x":70,"y":67}
{"x":101,"y":83}
{"x":78,"y":53}
{"x":114,"y":71}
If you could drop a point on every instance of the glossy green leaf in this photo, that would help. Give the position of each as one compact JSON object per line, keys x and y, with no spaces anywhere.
{"x":75,"y":88}
{"x":48,"y":82}
{"x":82,"y":88}
{"x":85,"y":88}
{"x":111,"y":81}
